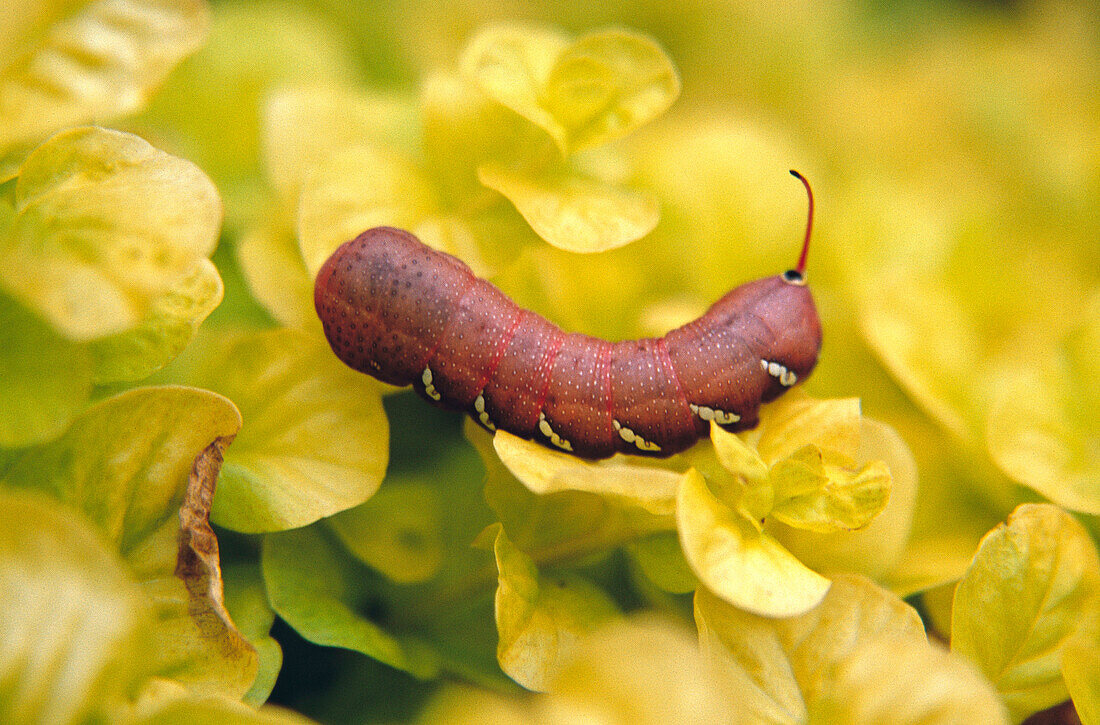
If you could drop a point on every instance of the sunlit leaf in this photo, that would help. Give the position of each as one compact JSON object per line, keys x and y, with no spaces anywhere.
{"x":540,"y":618}
{"x":168,"y":326}
{"x":354,"y":189}
{"x":397,"y":532}
{"x":1024,"y":596}
{"x":606,"y":84}
{"x":544,"y":471}
{"x":44,"y":379}
{"x":316,"y":436}
{"x":574,"y":212}
{"x":75,"y":626}
{"x":142,"y":466}
{"x":738,"y":562}
{"x":511,"y":63}
{"x":106,"y":226}
{"x":325,"y":595}
{"x":830,"y":664}
{"x":92,"y":61}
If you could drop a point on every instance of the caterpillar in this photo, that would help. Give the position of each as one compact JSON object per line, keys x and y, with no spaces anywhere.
{"x":406,"y":314}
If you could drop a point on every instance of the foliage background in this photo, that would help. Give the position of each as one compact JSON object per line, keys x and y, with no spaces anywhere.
{"x":382,"y":562}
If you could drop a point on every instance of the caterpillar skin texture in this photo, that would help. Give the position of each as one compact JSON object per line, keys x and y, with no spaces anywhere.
{"x":406,"y":314}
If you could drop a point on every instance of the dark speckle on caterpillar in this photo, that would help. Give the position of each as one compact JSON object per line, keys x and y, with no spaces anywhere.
{"x":406,"y":314}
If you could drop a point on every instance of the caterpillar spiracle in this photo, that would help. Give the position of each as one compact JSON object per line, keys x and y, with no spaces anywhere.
{"x":406,"y":314}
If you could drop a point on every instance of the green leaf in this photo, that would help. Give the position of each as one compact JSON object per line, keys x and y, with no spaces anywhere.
{"x":246,"y":602}
{"x":90,"y":61}
{"x":324,"y":594}
{"x":540,"y":619}
{"x":316,"y":441}
{"x":74,"y":625}
{"x":607,"y":84}
{"x":397,"y":532}
{"x":106,"y":226}
{"x":1026,"y":593}
{"x":814,"y":493}
{"x":354,"y":189}
{"x":738,"y":562}
{"x":142,"y":466}
{"x":44,"y":379}
{"x":510,"y":64}
{"x":545,"y":471}
{"x":662,"y":561}
{"x":838,"y":663}
{"x":574,"y":212}
{"x":169,"y":325}
{"x":747,"y":487}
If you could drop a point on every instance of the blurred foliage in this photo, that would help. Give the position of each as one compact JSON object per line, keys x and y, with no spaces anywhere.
{"x":615,"y":167}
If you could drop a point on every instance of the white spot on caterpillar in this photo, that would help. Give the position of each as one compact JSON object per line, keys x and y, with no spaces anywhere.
{"x":546,"y":430}
{"x":718,"y":416}
{"x":482,"y":415}
{"x":786,"y":377}
{"x":429,"y":389}
{"x":631,"y":437}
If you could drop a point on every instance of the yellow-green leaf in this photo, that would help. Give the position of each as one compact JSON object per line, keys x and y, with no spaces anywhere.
{"x":398,"y":531}
{"x":662,"y":561}
{"x":541,"y":618}
{"x":828,"y":495}
{"x":74,"y":624}
{"x":510,"y":64}
{"x":574,"y":212}
{"x":246,"y":602}
{"x":544,"y":471}
{"x":106,"y":226}
{"x":878,"y":547}
{"x":1028,"y":590}
{"x":167,"y":327}
{"x":316,"y":439}
{"x":837,"y":663}
{"x":607,"y":84}
{"x":738,"y":562}
{"x":162,"y":702}
{"x":747,"y":487}
{"x":354,"y":189}
{"x":142,"y":466}
{"x":90,"y":61}
{"x":44,"y":379}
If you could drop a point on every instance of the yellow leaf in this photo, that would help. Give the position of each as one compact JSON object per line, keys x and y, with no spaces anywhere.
{"x":796,"y":420}
{"x":575,"y":212}
{"x":811,"y":493}
{"x":736,"y":561}
{"x":540,"y":619}
{"x":92,"y":62}
{"x":544,"y":471}
{"x":1026,"y":593}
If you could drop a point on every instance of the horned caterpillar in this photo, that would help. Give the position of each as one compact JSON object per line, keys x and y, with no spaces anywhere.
{"x":406,"y":314}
